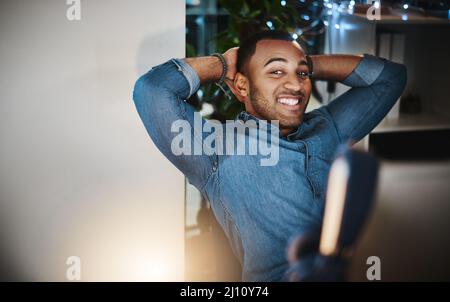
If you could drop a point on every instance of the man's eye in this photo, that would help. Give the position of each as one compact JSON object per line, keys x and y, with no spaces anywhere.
{"x":276,"y":72}
{"x":302,"y":74}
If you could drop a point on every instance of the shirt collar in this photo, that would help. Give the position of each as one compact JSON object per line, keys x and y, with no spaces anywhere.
{"x":296,"y":134}
{"x":245,"y":116}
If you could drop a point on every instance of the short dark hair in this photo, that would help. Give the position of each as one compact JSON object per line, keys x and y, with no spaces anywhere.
{"x":248,"y":47}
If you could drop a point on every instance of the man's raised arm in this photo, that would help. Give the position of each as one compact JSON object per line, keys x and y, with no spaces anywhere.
{"x":159,"y":98}
{"x":376,"y":85}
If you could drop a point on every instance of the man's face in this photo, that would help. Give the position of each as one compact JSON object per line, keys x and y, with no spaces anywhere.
{"x":277,"y":91}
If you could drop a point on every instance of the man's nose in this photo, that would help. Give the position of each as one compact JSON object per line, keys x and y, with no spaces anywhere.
{"x":293,"y":83}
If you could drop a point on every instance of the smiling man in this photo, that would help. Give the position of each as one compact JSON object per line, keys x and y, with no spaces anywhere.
{"x":261,"y":81}
{"x":261,"y":207}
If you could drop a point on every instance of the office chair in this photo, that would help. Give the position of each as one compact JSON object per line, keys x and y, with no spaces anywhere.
{"x":351,"y":188}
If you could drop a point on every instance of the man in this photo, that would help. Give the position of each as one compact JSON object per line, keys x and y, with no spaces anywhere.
{"x":261,"y":207}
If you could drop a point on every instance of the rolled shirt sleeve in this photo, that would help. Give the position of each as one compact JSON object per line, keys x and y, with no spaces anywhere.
{"x":376,"y":85}
{"x":190,"y":75}
{"x":159,"y":99}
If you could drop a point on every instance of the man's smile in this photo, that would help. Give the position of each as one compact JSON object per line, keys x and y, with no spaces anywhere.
{"x":290,"y":102}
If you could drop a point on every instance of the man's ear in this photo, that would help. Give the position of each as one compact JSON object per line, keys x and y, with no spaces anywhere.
{"x":239,"y":87}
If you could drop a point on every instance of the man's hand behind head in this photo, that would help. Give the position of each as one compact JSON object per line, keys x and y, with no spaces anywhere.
{"x":231,"y":58}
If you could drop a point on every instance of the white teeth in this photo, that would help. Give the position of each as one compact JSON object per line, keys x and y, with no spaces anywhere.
{"x":288,"y":101}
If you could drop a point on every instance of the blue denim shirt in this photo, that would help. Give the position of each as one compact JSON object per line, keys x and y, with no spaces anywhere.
{"x":261,"y":208}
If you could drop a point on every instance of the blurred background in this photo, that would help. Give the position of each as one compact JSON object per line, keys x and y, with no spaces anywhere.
{"x":409,"y":225}
{"x":80,"y":177}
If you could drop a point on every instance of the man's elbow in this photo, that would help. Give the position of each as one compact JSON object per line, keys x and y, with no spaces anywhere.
{"x":144,"y":90}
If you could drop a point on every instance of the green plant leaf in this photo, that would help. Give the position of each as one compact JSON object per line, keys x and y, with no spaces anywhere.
{"x":190,"y":50}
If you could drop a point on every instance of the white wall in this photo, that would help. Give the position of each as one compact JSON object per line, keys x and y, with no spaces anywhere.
{"x":78,"y":173}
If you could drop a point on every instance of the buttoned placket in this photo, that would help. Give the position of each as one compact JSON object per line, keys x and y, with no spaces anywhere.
{"x":307,"y":160}
{"x":291,"y":137}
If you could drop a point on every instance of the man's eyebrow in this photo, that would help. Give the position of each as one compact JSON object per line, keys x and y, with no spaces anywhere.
{"x":274,"y":60}
{"x":302,"y":62}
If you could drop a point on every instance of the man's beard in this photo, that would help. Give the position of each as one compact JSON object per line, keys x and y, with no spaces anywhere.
{"x":265,"y":109}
